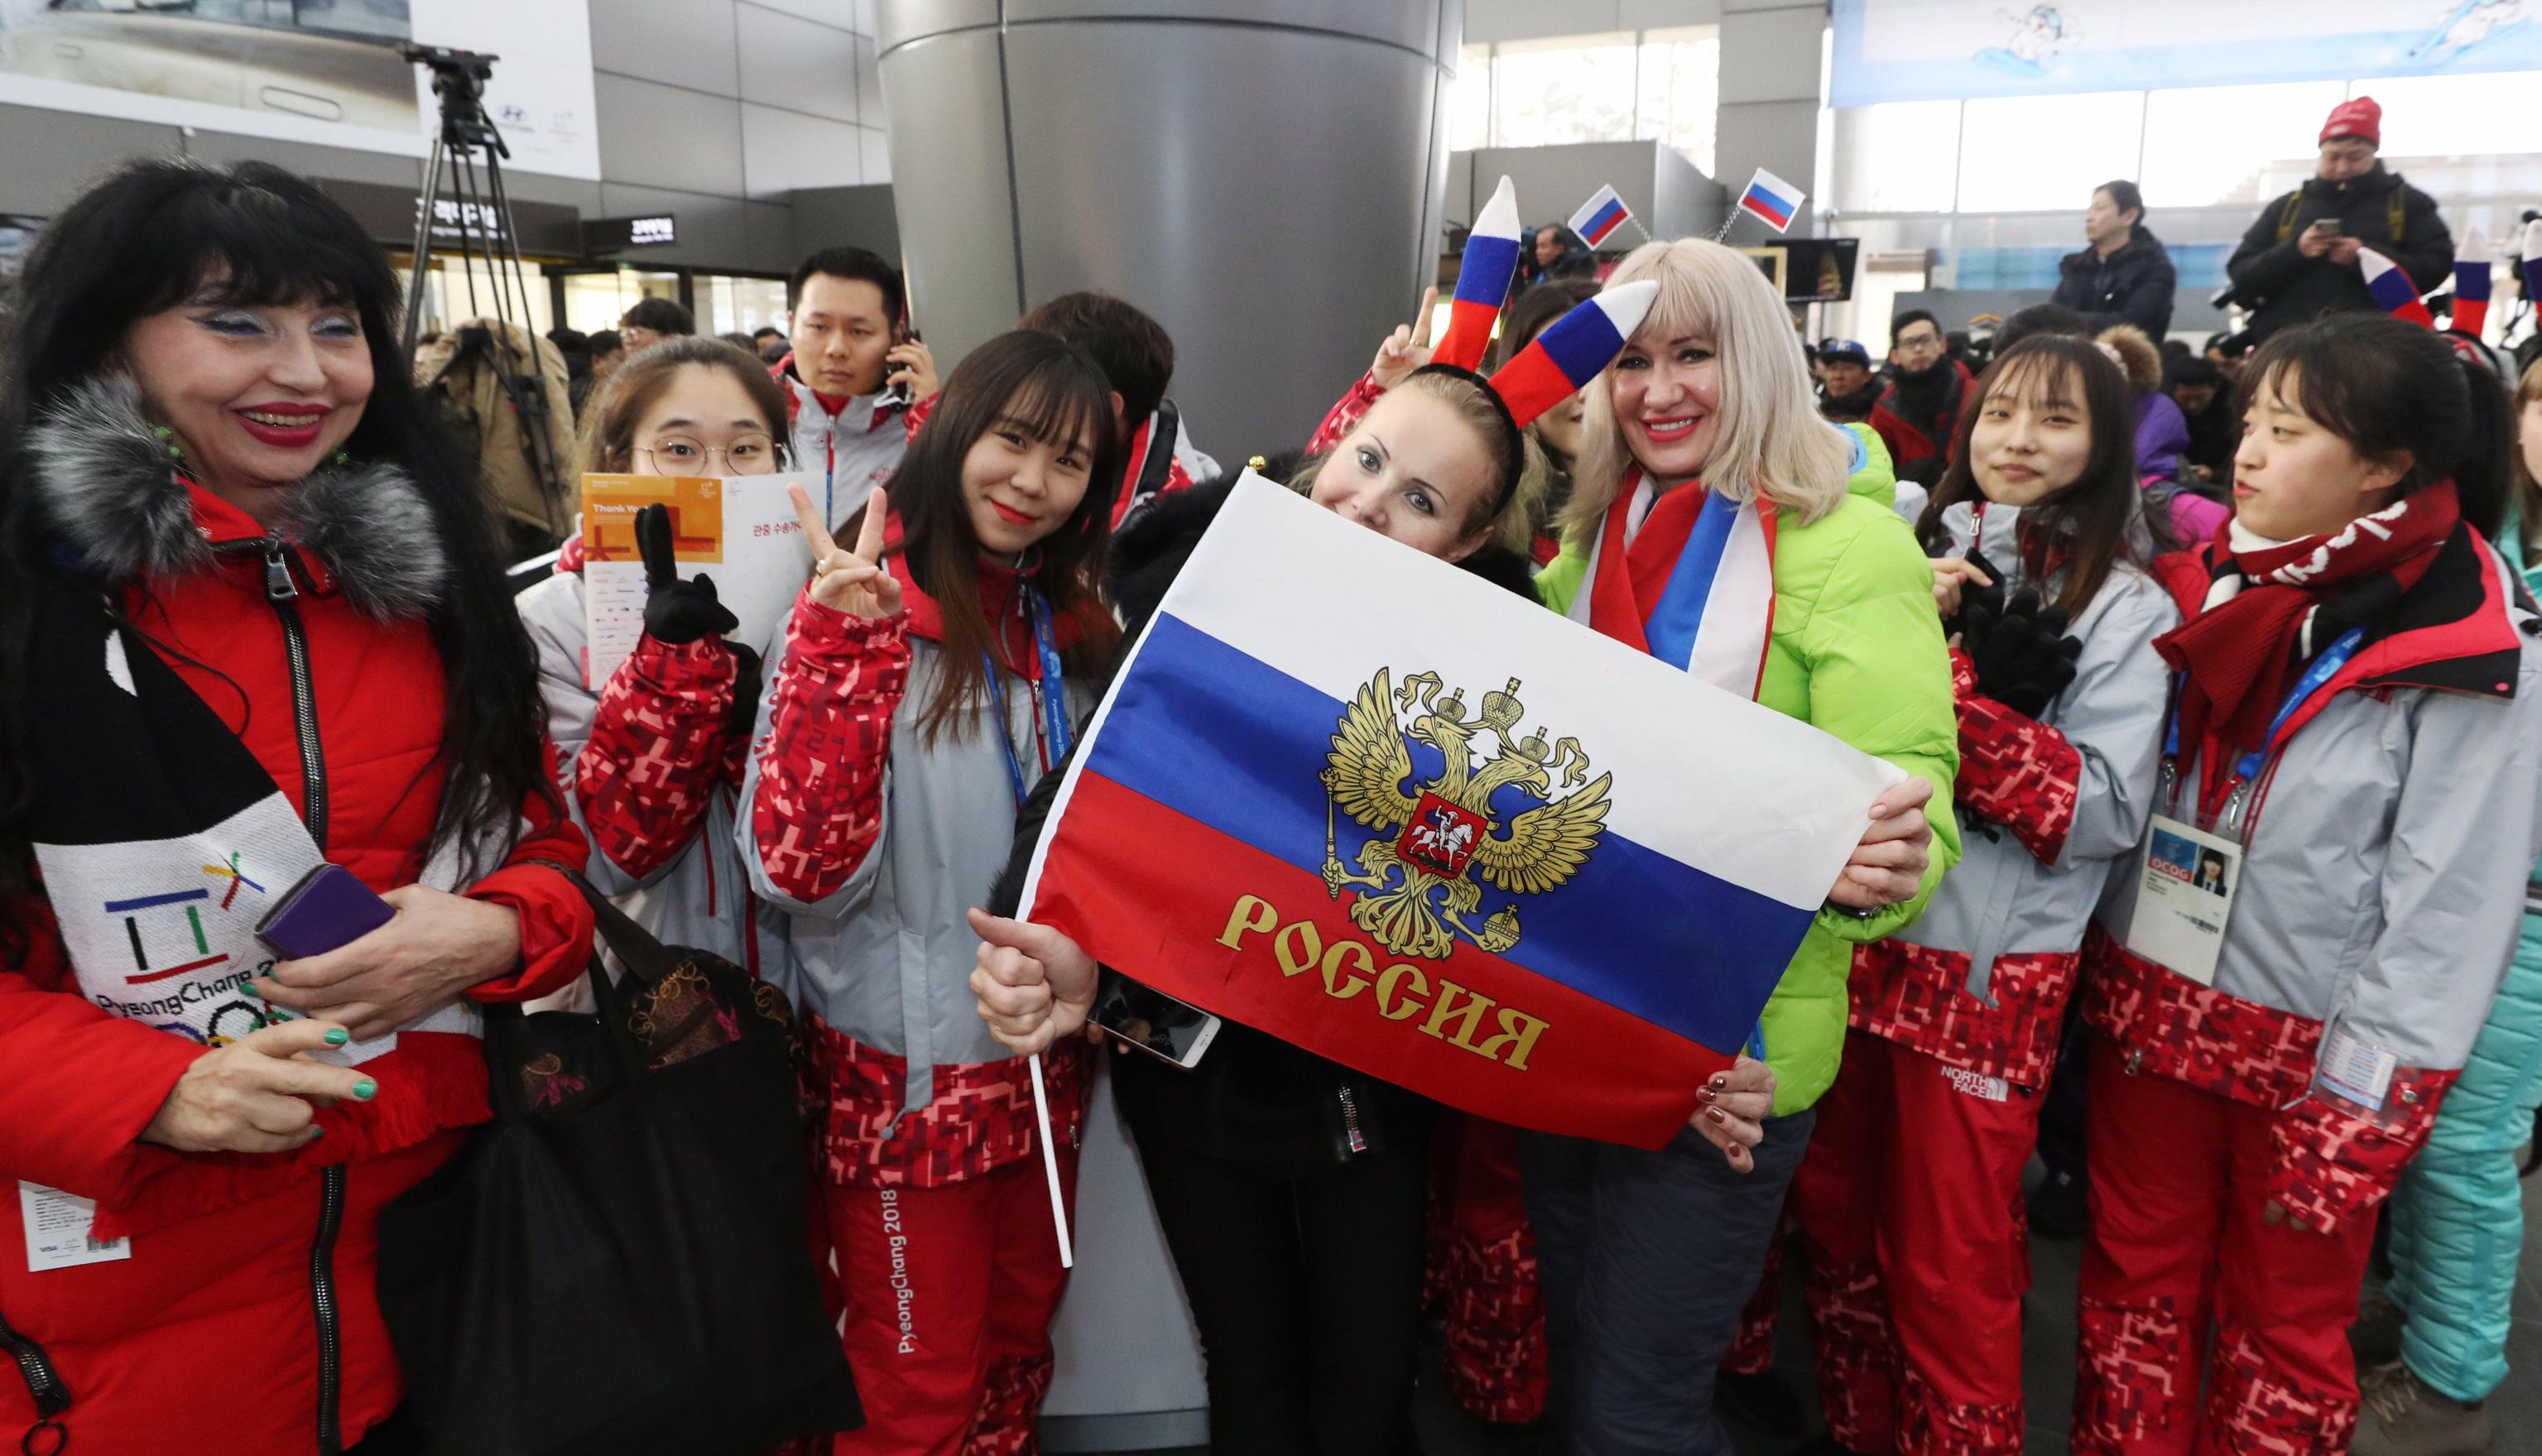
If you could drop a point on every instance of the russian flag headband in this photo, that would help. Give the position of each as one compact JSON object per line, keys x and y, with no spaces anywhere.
{"x":2471,"y":285}
{"x":2394,"y":290}
{"x":1482,"y":281}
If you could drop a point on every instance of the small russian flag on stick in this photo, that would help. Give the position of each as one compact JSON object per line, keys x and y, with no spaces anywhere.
{"x":1484,"y":281}
{"x":2471,"y":285}
{"x":1560,"y":362}
{"x":1771,"y":199}
{"x":2392,"y":288}
{"x":1599,"y":216}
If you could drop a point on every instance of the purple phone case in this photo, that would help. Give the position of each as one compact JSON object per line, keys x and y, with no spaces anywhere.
{"x":328,"y":908}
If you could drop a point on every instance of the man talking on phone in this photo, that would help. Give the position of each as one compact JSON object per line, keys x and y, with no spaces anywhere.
{"x":854,"y":372}
{"x":2300,"y":259}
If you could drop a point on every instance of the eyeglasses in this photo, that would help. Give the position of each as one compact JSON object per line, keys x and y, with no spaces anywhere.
{"x":749,"y":454}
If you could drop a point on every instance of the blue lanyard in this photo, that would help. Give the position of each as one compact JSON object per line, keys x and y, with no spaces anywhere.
{"x":2324,"y":667}
{"x":1049,"y":696}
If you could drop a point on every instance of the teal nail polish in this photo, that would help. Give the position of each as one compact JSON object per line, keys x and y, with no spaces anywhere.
{"x":337,"y":1035}
{"x":248,"y":987}
{"x":316,"y":1132}
{"x":366,"y":1088}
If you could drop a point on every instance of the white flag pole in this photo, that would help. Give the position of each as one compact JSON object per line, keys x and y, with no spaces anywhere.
{"x":1050,"y":1167}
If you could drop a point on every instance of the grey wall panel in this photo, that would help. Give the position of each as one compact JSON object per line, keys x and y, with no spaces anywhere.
{"x":795,"y":63}
{"x":784,"y":150}
{"x":1553,"y":181}
{"x":868,"y":84}
{"x":713,"y":229}
{"x":1412,"y":25}
{"x":664,"y":137}
{"x":689,"y":43}
{"x":841,"y":14}
{"x":857,"y":216}
{"x":48,"y":158}
{"x":768,"y":229}
{"x":1684,"y":204}
{"x":876,"y":146}
{"x":1778,"y":55}
{"x":949,"y":174}
{"x":899,"y":22}
{"x":1276,"y":238}
{"x":1781,"y":136}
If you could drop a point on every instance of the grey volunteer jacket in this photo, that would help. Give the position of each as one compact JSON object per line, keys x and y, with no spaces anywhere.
{"x":1999,"y":899}
{"x":886,"y":958}
{"x":2384,"y":882}
{"x":698,"y":899}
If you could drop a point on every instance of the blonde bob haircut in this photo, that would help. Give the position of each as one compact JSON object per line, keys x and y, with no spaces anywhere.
{"x":1771,"y":440}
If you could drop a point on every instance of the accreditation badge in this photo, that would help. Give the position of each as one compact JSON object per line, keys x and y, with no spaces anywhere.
{"x":2184,"y":887}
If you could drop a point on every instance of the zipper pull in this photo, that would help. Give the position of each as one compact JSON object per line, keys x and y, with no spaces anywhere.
{"x":277,"y":571}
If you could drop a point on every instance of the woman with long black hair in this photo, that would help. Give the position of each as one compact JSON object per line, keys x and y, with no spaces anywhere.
{"x":251,"y":622}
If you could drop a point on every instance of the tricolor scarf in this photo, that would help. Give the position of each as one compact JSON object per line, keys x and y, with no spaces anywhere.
{"x":1687,"y":576}
{"x":2271,"y":605}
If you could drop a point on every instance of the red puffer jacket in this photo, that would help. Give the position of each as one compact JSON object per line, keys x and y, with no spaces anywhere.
{"x":208,"y":1337}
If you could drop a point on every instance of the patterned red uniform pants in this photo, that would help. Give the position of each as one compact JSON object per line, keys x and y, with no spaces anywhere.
{"x":1909,"y":1210}
{"x":2177,"y":1238}
{"x":951,"y":1291}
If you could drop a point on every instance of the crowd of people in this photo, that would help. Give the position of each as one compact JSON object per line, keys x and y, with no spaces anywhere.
{"x":2210,"y":680}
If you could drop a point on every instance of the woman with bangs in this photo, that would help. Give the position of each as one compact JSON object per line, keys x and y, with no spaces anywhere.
{"x":252,"y":621}
{"x":2355,"y":736}
{"x":1702,"y":449}
{"x":649,"y":758}
{"x":932,"y":671}
{"x":1908,"y":1199}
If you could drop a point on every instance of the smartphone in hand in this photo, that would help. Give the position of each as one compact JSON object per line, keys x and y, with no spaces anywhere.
{"x":1171,"y":1030}
{"x":328,"y":908}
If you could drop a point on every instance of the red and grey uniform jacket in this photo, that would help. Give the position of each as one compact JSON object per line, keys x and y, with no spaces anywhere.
{"x":219,"y":1271}
{"x":651,"y":768}
{"x":850,"y":445}
{"x":874,"y":840}
{"x":2049,"y":809}
{"x":2388,"y":836}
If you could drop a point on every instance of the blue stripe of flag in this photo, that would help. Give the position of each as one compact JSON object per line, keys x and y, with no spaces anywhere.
{"x":1678,"y":615}
{"x":1580,"y":343}
{"x":1489,"y":264}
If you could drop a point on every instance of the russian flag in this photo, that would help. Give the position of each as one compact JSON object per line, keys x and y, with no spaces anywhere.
{"x":1599,"y":216}
{"x":1770,"y":198}
{"x":1482,"y":281}
{"x":2392,"y":288}
{"x":1560,"y":362}
{"x":1401,"y":818}
{"x":2470,"y":313}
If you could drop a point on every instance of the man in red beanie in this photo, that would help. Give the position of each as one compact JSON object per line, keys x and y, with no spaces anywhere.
{"x":2299,"y":259}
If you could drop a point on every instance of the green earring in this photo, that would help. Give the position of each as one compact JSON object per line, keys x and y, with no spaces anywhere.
{"x":344,"y":458}
{"x":176,"y":451}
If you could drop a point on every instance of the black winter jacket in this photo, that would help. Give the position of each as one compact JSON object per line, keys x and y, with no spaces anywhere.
{"x":2282,"y":286}
{"x":1254,"y":1098}
{"x":2132,"y":286}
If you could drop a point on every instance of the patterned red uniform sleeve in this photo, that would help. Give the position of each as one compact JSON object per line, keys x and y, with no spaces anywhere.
{"x":818,"y":807}
{"x":657,"y":749}
{"x":1345,"y":414}
{"x":915,"y":416}
{"x":2330,"y":1162}
{"x":2014,"y":770}
{"x":555,"y":920}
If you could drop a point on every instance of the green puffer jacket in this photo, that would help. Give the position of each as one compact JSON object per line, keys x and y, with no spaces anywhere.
{"x":1857,"y":652}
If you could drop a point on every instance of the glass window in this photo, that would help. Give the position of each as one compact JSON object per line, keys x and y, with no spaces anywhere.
{"x":595,"y":301}
{"x":740,"y":305}
{"x":1680,"y":93}
{"x":1897,"y":157}
{"x":2209,"y":144}
{"x":1469,"y":100}
{"x":2453,"y":115}
{"x":1579,"y":90}
{"x":2040,"y":153}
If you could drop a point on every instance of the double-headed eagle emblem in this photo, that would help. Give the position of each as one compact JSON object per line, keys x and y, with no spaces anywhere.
{"x":1447,"y":825}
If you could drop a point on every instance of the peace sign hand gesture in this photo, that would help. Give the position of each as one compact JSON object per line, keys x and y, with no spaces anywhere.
{"x":851,"y":581}
{"x":1407,"y":349}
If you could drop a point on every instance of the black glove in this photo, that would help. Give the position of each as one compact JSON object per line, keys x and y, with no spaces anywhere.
{"x":746,"y":688}
{"x":2023,"y":658}
{"x":1988,"y":596}
{"x":675,"y":611}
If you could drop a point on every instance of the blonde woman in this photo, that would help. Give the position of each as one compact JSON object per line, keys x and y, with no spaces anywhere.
{"x":1712,"y":525}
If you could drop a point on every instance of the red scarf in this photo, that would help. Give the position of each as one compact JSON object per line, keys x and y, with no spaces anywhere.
{"x":1000,"y":599}
{"x":2238,"y":653}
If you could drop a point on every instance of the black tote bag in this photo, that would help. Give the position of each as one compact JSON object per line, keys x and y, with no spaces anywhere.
{"x":620,"y":1263}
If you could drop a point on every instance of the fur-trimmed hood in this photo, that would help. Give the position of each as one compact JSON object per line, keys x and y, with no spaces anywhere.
{"x":107,"y":495}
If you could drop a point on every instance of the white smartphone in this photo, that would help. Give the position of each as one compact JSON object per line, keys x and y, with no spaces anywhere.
{"x":1144,"y":1017}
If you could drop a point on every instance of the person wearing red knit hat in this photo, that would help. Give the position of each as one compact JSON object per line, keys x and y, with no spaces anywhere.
{"x":2300,"y":259}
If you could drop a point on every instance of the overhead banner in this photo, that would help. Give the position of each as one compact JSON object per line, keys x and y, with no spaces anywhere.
{"x":330,"y":75}
{"x":1950,"y":49}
